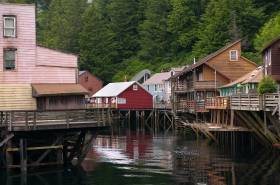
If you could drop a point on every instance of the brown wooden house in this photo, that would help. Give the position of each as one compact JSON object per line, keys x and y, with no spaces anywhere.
{"x":59,"y":96}
{"x":271,"y":59}
{"x":90,"y":82}
{"x":195,"y":83}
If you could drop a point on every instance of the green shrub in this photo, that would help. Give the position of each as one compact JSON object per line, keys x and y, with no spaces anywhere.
{"x":267,"y":85}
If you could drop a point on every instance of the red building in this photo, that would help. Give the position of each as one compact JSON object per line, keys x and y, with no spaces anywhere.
{"x":90,"y":82}
{"x":123,"y":95}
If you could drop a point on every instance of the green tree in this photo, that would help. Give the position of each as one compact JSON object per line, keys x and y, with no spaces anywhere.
{"x":267,"y":85}
{"x":61,"y":25}
{"x":123,"y":25}
{"x":268,"y":32}
{"x":225,"y":21}
{"x":154,"y":36}
{"x":97,"y":50}
{"x":183,"y":21}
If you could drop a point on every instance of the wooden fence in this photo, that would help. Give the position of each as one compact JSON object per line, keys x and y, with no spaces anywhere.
{"x":48,"y":120}
{"x":217,"y":103}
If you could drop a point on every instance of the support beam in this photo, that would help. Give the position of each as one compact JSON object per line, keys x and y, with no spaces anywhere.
{"x":23,"y":155}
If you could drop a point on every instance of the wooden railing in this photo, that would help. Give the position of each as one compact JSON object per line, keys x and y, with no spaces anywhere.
{"x":101,"y":106}
{"x":183,"y":87}
{"x":162,"y":106}
{"x":254,"y":102}
{"x":198,"y":85}
{"x":206,"y":85}
{"x":217,"y":103}
{"x":191,"y":106}
{"x":50,"y":120}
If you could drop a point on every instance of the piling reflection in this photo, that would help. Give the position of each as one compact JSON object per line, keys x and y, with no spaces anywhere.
{"x":168,"y":160}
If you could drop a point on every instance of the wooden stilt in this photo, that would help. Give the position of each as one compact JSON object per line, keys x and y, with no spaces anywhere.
{"x":23,"y":155}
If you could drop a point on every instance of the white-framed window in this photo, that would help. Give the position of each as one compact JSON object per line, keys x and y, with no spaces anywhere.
{"x":9,"y":26}
{"x":135,"y":87}
{"x":121,"y":101}
{"x":9,"y":58}
{"x":233,"y":55}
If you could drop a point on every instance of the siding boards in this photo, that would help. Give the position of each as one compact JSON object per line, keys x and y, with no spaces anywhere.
{"x":16,"y":97}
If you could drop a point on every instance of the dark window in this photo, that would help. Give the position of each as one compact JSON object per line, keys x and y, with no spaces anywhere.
{"x":9,"y":59}
{"x":52,"y":101}
{"x":86,"y":78}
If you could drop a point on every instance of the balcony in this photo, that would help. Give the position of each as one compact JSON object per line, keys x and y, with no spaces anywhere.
{"x":206,"y":85}
{"x":198,"y":85}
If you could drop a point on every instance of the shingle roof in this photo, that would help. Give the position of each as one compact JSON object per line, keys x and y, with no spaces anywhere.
{"x":40,"y":90}
{"x":254,"y":76}
{"x":271,"y":43}
{"x":115,"y":89}
{"x":158,"y":78}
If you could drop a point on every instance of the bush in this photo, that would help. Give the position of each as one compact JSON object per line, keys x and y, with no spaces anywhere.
{"x":267,"y":85}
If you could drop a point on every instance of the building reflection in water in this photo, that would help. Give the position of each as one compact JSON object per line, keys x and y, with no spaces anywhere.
{"x":143,"y":159}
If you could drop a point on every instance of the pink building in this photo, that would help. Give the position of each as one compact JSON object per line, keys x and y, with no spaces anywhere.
{"x":23,"y":62}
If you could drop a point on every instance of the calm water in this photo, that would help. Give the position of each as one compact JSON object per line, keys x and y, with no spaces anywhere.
{"x":138,"y":159}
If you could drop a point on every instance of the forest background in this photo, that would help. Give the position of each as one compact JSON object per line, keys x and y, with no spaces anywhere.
{"x":115,"y":39}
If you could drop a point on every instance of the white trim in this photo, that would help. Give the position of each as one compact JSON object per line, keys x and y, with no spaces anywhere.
{"x":6,"y":27}
{"x":236,"y":55}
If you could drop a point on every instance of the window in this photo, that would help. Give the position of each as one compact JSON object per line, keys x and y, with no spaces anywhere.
{"x":135,"y":87}
{"x":121,"y":101}
{"x":9,"y":26}
{"x":268,"y":57}
{"x":233,"y":55}
{"x":86,"y":78}
{"x":9,"y":59}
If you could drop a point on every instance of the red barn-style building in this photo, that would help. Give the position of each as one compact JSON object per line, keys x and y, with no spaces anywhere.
{"x":90,"y":82}
{"x":123,"y":95}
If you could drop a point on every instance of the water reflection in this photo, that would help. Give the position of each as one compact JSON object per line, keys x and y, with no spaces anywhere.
{"x":142,"y":159}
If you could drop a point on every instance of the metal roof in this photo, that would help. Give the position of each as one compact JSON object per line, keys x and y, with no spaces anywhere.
{"x":115,"y":89}
{"x":158,"y":78}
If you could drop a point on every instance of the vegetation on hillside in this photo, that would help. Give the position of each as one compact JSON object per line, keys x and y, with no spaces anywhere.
{"x":117,"y":38}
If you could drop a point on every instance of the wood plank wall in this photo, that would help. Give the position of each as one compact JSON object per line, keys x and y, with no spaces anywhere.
{"x":16,"y":97}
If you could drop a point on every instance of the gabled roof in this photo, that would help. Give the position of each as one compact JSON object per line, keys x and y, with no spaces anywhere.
{"x":81,"y":72}
{"x":141,"y":74}
{"x":254,"y":76}
{"x":115,"y":89}
{"x":207,"y":58}
{"x":158,"y":78}
{"x":271,"y":43}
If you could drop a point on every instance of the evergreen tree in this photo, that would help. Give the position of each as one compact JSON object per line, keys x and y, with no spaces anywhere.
{"x":97,"y":50}
{"x":124,"y":20}
{"x":154,"y":36}
{"x":61,"y":25}
{"x":182,"y":22}
{"x":268,"y":32}
{"x":225,"y":21}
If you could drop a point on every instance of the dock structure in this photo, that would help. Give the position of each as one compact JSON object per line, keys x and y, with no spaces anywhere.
{"x":44,"y":119}
{"x":218,"y":94}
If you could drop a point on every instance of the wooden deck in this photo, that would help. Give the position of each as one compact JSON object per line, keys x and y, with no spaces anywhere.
{"x":53,"y":120}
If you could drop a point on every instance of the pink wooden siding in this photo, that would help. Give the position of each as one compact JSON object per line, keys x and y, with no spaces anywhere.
{"x":34,"y":64}
{"x":49,"y":57}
